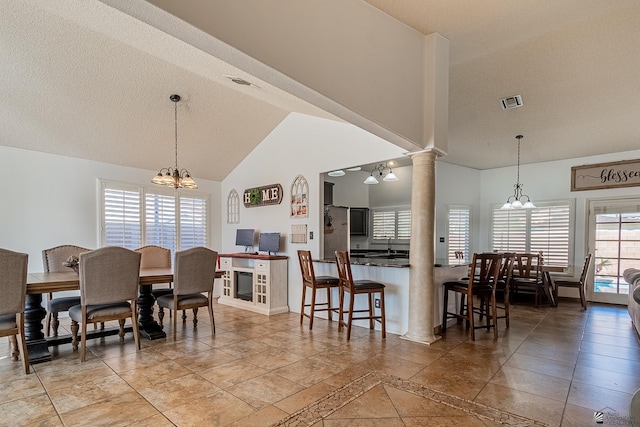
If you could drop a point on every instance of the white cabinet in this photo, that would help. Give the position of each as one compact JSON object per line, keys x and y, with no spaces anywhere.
{"x":255,"y":282}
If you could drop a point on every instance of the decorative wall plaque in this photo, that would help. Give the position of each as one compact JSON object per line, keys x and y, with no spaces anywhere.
{"x":262,"y":196}
{"x":605,"y":175}
{"x":299,"y":198}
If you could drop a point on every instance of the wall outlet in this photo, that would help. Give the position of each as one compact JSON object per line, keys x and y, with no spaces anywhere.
{"x":376,"y":302}
{"x":311,"y":235}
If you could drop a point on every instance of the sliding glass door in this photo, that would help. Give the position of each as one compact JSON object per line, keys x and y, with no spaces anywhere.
{"x":614,"y":236}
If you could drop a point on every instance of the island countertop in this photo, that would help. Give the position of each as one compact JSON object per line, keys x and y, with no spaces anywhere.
{"x":374,"y":262}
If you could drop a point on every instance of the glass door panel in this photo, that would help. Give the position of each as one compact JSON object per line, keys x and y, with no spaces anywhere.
{"x":615,"y":236}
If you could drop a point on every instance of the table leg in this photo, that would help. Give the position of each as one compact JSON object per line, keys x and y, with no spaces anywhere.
{"x":34,"y":314}
{"x":149,"y":328}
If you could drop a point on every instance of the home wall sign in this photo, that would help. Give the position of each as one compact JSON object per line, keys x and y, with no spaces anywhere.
{"x":605,"y":175}
{"x":262,"y":196}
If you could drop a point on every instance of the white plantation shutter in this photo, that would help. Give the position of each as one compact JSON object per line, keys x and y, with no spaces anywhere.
{"x":509,"y":230}
{"x":545,"y":228}
{"x":132,"y":217}
{"x":121,"y":225}
{"x":459,"y":229}
{"x":193,"y":222}
{"x":384,"y":225}
{"x":391,"y":224}
{"x":550,"y":234}
{"x":404,"y":224}
{"x":160,"y":221}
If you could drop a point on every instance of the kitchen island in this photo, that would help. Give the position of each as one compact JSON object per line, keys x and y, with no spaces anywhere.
{"x":394,"y":273}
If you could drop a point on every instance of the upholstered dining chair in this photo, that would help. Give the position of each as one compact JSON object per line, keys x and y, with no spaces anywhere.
{"x":109,"y":280}
{"x":314,"y":283}
{"x":52,"y":260}
{"x":194,"y":272}
{"x":13,"y":287}
{"x":357,"y":287}
{"x":480,"y":286}
{"x":580,"y":284}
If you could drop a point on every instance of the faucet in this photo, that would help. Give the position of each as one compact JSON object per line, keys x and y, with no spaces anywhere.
{"x":389,"y":245}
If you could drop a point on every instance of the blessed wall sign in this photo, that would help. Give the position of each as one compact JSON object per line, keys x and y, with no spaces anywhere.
{"x":605,"y":175}
{"x":262,"y":196}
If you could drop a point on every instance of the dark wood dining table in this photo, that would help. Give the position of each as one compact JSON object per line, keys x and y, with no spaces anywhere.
{"x":42,"y":283}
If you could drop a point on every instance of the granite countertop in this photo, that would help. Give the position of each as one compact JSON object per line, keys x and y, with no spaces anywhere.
{"x":377,"y":262}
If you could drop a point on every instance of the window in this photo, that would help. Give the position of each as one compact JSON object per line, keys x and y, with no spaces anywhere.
{"x":546,"y":228}
{"x":458,"y":224}
{"x":391,"y":224}
{"x":133,"y":216}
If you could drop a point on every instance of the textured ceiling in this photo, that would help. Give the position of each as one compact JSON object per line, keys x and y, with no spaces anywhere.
{"x":83,"y":80}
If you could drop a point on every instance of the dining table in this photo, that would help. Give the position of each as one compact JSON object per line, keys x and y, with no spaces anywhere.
{"x":42,"y":283}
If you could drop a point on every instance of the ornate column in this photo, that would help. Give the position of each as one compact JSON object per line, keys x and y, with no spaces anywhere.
{"x":422,"y":304}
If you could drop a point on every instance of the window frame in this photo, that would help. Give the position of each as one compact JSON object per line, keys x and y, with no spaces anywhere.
{"x":571,"y":203}
{"x":398,"y":211}
{"x":467,"y":249}
{"x":143,"y":191}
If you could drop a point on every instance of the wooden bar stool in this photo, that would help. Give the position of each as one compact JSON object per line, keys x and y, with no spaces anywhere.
{"x":353,"y":288}
{"x":310,"y":280}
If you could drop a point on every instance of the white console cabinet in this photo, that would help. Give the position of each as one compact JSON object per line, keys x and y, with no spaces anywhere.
{"x":265,"y":274}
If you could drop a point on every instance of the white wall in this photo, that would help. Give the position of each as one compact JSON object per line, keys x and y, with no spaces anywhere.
{"x":302,"y":145}
{"x":50,"y":200}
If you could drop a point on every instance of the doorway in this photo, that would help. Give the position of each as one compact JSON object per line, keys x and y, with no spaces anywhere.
{"x":614,"y":239}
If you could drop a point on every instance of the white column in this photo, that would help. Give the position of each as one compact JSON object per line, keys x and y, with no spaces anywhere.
{"x":422,"y":304}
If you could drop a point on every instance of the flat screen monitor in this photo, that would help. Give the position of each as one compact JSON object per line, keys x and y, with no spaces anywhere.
{"x":245,"y":237}
{"x":269,"y":242}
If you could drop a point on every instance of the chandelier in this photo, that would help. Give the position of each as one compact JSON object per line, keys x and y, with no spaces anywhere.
{"x":173,"y":176}
{"x":381,"y":171}
{"x":515,"y":201}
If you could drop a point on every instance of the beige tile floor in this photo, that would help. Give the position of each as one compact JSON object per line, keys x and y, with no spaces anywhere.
{"x":554,"y":365}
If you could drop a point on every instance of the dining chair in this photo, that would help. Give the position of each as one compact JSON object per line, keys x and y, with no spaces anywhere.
{"x":157,"y":257}
{"x":357,"y":287}
{"x":527,"y":277}
{"x":480,"y":286}
{"x":314,"y":283}
{"x":194,"y":273}
{"x":109,"y":280}
{"x":580,"y":284}
{"x":503,"y":285}
{"x":13,"y":286}
{"x":52,"y":260}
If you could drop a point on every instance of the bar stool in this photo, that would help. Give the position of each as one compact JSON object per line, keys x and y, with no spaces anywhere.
{"x":310,"y":280}
{"x":355,"y":287}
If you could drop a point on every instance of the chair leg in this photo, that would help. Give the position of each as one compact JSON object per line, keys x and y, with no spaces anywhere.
{"x":175,"y":322}
{"x":445,"y":305}
{"x":494,"y":315}
{"x":195,"y":317}
{"x":470,"y":316}
{"x":350,"y":315}
{"x":74,"y":333}
{"x":304,"y":297}
{"x":134,"y":324}
{"x":312,"y":308}
{"x":371,"y":321}
{"x":341,"y":309}
{"x":583,"y":300}
{"x":13,"y":343}
{"x":211,"y":318}
{"x":329,"y":309}
{"x":121,"y":333}
{"x":47,"y":328}
{"x":55,"y":323}
{"x":384,"y":318}
{"x":161,"y":315}
{"x":83,"y":342}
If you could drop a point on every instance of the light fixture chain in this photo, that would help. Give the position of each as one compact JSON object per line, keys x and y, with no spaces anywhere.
{"x":175,"y":122}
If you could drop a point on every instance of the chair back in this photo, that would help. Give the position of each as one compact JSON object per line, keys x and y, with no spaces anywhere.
{"x":306,"y":267}
{"x":344,"y":271}
{"x":585,"y":269}
{"x":53,"y":258}
{"x":485,"y":269}
{"x":109,"y":275}
{"x":507,"y":268}
{"x":154,"y":257}
{"x":529,"y":265}
{"x":194,"y":271}
{"x":13,"y":281}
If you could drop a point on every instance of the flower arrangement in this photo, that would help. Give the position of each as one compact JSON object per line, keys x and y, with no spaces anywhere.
{"x":72,"y":262}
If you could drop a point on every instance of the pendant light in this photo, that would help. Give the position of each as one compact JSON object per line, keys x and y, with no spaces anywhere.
{"x":515,"y":201}
{"x":173,"y":176}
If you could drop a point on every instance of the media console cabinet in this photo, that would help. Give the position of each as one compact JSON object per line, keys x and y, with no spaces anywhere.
{"x":255,"y":282}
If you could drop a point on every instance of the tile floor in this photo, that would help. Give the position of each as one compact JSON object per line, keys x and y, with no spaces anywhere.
{"x":554,"y":365}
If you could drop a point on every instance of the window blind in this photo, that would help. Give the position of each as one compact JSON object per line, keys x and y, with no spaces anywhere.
{"x":193,"y":222}
{"x":122,"y":224}
{"x":161,"y":221}
{"x":458,"y":220}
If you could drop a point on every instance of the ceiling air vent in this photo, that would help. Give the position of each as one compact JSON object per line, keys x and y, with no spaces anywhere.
{"x":511,"y":102}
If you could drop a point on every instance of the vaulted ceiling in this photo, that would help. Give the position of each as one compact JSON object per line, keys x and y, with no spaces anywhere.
{"x":81,"y":79}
